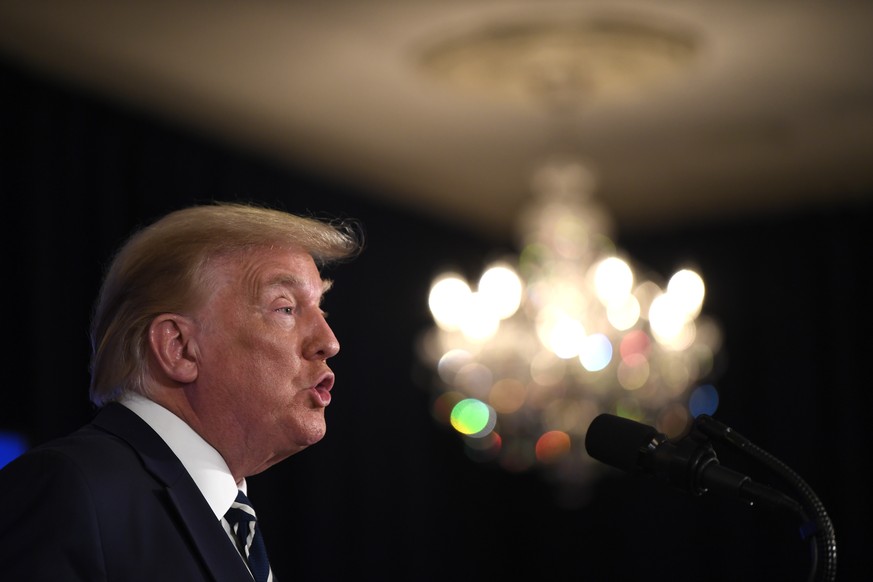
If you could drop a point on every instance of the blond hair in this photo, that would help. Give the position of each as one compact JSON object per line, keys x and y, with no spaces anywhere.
{"x":161,"y":269}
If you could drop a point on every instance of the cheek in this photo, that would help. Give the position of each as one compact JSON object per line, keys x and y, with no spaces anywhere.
{"x":253,"y":342}
{"x":253,"y":358}
{"x":273,"y":362}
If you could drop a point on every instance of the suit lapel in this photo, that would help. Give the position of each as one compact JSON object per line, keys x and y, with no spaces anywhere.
{"x":216,"y":549}
{"x":221,"y":557}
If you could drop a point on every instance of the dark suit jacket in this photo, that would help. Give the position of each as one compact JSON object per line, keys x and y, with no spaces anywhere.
{"x":109,"y":502}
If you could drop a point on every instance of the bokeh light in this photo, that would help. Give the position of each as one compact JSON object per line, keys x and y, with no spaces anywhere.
{"x":596,"y":352}
{"x":689,"y":290}
{"x":613,"y":279}
{"x":450,"y":301}
{"x":552,"y":446}
{"x":472,"y":417}
{"x":507,"y":395}
{"x":501,"y":290}
{"x":703,"y":400}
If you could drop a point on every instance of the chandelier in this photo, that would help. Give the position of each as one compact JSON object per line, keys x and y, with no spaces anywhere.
{"x":525,"y":357}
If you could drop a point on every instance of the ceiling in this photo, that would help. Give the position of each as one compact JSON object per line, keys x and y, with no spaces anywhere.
{"x":685,"y":110}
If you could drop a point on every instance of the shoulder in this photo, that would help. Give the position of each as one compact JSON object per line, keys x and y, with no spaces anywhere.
{"x":95,"y":456}
{"x":71,"y":464}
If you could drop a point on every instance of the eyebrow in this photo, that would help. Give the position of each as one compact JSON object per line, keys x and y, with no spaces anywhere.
{"x":286,"y":280}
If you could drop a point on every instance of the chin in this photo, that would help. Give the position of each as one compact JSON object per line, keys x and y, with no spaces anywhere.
{"x":309,"y":433}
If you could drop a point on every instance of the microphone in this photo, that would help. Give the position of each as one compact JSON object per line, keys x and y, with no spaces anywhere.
{"x":688,"y":463}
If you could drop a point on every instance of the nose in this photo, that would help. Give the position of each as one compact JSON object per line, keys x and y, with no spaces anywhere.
{"x":324,"y":344}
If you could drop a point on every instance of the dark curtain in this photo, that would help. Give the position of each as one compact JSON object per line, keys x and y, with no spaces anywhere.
{"x":389,"y":493}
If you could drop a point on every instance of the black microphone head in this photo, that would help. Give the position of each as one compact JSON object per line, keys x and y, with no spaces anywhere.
{"x":619,"y":441}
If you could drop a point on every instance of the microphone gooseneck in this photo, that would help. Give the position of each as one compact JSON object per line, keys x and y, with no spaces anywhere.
{"x":690,"y":463}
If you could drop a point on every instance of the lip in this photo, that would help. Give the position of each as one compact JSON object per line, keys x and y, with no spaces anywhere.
{"x":321,"y":389}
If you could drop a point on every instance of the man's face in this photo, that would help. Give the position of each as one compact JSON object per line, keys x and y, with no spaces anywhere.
{"x":262,"y":341}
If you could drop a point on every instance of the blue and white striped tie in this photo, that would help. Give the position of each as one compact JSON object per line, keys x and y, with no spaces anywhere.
{"x":244,"y":525}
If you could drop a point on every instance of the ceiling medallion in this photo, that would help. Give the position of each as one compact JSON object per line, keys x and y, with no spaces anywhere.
{"x":563,"y":62}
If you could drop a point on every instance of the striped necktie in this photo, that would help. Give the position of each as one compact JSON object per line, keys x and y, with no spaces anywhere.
{"x":244,"y":525}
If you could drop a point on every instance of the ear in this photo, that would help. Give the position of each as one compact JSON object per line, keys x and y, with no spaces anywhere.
{"x":172,"y":347}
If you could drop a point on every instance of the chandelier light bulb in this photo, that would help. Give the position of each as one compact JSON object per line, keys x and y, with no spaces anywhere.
{"x":613,"y":279}
{"x":501,"y":290}
{"x":479,"y":322}
{"x":449,"y":301}
{"x":688,"y":287}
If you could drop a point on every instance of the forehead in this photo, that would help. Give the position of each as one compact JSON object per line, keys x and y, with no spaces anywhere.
{"x":259,"y":270}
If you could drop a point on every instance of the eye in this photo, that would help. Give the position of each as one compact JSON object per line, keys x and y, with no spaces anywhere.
{"x":287,"y":310}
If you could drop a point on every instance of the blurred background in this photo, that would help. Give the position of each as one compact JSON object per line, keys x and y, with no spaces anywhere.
{"x":731,"y":140}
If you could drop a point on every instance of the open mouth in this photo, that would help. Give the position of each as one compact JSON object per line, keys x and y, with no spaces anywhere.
{"x":322,"y":389}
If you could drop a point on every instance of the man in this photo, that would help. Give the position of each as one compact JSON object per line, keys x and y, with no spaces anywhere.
{"x":209,"y":364}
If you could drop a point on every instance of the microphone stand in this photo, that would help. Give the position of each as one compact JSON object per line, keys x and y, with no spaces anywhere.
{"x":816,"y":525}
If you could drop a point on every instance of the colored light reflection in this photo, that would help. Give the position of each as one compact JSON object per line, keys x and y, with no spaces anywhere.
{"x":12,"y":445}
{"x":552,"y":446}
{"x":633,"y":343}
{"x":472,"y":417}
{"x":703,"y":400}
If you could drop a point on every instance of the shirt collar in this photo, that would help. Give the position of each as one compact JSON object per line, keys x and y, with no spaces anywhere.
{"x":205,"y":464}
